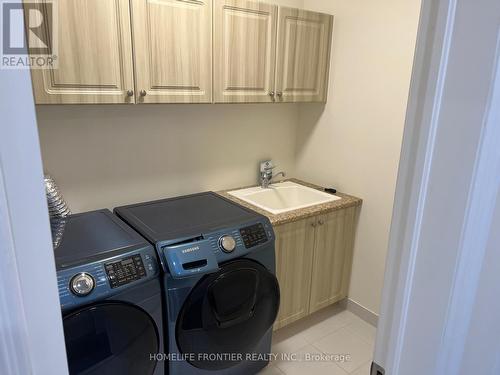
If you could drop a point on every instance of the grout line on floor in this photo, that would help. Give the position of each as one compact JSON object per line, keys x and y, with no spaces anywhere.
{"x":348,"y":323}
{"x":321,"y":351}
{"x":296,"y":328}
{"x":279,"y":370}
{"x":296,"y":350}
{"x":327,"y":334}
{"x":363,"y":338}
{"x":341,"y":369}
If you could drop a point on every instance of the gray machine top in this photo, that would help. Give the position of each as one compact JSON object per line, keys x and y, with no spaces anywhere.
{"x":193,"y":234}
{"x":186,"y":216}
{"x":91,"y":236}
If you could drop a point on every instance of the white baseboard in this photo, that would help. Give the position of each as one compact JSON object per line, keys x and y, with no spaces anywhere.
{"x":360,"y":311}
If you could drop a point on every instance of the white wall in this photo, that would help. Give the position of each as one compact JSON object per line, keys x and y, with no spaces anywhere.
{"x":108,"y":155}
{"x":103,"y":156}
{"x":353,"y":142}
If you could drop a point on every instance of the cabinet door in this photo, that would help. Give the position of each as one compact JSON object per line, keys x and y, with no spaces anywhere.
{"x":94,"y":55}
{"x":304,"y":40}
{"x":244,"y":51}
{"x":332,"y":258}
{"x":173,"y":50}
{"x":294,"y":252}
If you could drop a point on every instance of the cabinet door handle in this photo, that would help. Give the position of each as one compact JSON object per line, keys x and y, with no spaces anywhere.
{"x":279,"y":94}
{"x":320,"y":222}
{"x":143,"y":92}
{"x":130,"y":92}
{"x":313,"y":225}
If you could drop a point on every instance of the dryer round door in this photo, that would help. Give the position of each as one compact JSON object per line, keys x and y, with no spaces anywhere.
{"x":226,"y":314}
{"x":110,"y":338}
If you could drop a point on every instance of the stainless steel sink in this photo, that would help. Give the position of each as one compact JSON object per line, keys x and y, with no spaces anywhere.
{"x":283,"y":197}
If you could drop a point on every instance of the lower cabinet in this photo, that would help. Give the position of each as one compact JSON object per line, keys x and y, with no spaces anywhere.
{"x":332,"y":258}
{"x":294,"y":247}
{"x":313,"y":263}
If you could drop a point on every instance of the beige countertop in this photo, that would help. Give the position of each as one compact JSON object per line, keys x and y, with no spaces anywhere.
{"x":302,"y":213}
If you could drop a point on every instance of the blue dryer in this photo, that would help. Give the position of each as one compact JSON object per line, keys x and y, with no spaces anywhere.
{"x":221,"y":293}
{"x":110,"y":293}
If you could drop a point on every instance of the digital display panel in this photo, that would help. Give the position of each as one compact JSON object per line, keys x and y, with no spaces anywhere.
{"x":253,"y":235}
{"x":125,"y":270}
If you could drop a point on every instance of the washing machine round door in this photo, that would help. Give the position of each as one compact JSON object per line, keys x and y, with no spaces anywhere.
{"x":110,"y":338}
{"x":226,"y":315}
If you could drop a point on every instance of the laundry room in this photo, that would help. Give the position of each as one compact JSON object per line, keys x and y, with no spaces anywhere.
{"x":220,"y":179}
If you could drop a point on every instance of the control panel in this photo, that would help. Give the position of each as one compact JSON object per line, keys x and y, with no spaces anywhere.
{"x":253,"y":235}
{"x":125,"y":271}
{"x":203,"y":254}
{"x":101,"y":279}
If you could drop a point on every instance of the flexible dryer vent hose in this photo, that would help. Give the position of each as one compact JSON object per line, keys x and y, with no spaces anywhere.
{"x":58,"y":210}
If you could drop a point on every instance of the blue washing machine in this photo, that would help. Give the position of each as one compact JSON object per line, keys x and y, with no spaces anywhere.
{"x":110,"y":294}
{"x":221,"y":293}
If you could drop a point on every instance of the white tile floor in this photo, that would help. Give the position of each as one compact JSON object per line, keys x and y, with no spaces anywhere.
{"x":332,"y":341}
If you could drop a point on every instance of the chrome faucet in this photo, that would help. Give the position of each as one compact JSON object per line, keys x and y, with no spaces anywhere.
{"x":266,"y":173}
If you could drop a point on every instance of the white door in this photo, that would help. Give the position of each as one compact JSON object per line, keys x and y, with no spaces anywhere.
{"x":31,"y":330}
{"x":440,"y":308}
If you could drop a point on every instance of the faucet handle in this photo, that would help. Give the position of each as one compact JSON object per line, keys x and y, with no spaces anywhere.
{"x":267,"y":166}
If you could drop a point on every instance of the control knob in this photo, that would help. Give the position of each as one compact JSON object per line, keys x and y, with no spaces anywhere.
{"x":82,"y":284}
{"x":227,"y":244}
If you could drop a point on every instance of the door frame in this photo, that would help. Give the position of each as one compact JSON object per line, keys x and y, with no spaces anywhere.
{"x":448,"y":180}
{"x":32,"y":338}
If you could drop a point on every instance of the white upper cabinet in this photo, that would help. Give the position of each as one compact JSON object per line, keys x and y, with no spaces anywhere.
{"x":94,"y":55}
{"x":244,"y":51}
{"x":304,"y":40}
{"x":173,"y":50}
